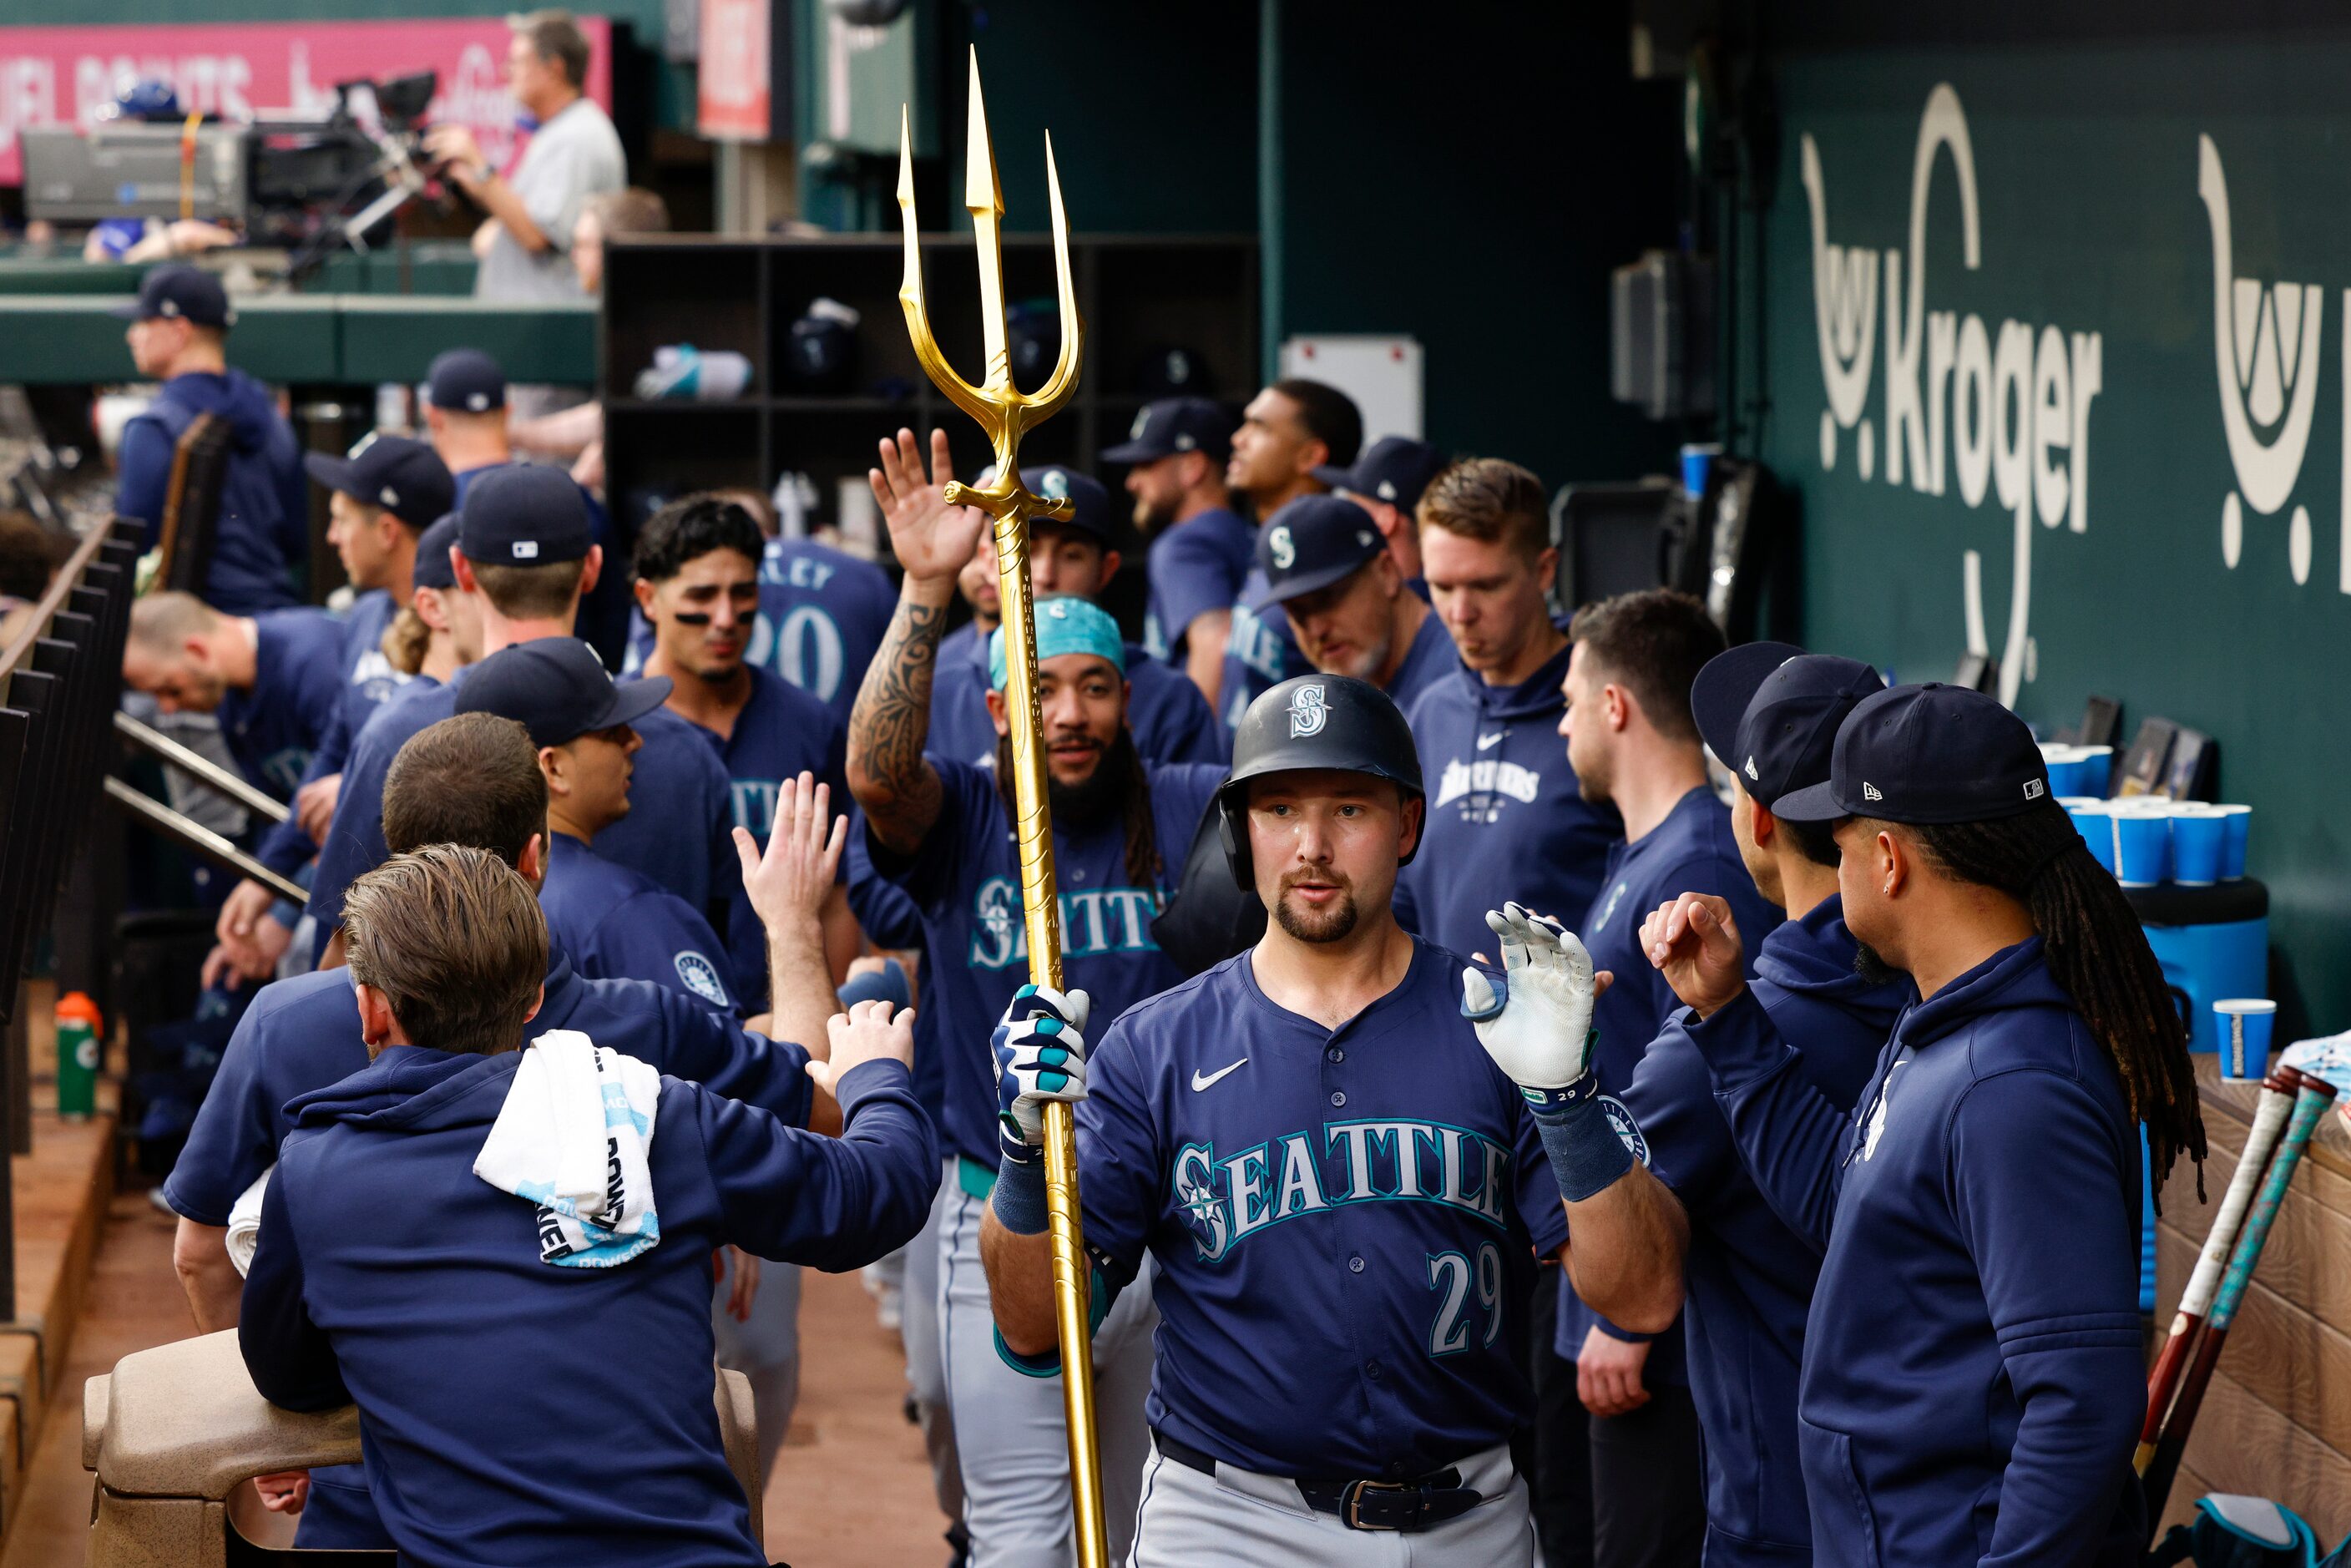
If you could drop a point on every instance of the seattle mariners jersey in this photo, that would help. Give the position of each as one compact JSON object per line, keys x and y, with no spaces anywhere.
{"x":822,"y":613}
{"x":1692,"y":851}
{"x":1430,"y":659}
{"x":1196,"y":566}
{"x":1506,"y":817}
{"x":965,"y":878}
{"x":1170,"y":720}
{"x":1261,"y":653}
{"x":272,"y":728}
{"x":1343,"y":1220}
{"x":621,"y":925}
{"x":363,"y":661}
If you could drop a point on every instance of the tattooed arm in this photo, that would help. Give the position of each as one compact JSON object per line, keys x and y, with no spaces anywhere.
{"x":888,"y":773}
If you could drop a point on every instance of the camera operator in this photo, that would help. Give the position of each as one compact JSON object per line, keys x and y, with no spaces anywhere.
{"x":524,"y":247}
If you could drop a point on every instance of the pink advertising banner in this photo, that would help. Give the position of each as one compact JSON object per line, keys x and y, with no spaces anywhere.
{"x":52,"y":76}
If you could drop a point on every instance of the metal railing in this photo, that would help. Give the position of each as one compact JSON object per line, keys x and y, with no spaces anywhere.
{"x":60,"y":677}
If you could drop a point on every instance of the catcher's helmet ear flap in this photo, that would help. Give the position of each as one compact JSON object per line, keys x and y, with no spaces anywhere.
{"x":1315,"y":722}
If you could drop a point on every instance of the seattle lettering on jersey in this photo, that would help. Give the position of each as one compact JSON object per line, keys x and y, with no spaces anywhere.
{"x":1100,"y":920}
{"x":755,"y":806}
{"x":1384,"y":1161}
{"x":1488,"y":778}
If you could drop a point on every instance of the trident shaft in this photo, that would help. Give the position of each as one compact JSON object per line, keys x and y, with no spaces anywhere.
{"x":1006,"y":413}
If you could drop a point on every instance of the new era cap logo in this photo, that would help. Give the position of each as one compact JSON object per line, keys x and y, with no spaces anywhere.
{"x":477,"y":402}
{"x":2033,"y":790}
{"x":1869,"y":791}
{"x":1307,"y":713}
{"x":525,"y":550}
{"x":388,"y":496}
{"x":1184,"y":444}
{"x":1387,"y":489}
{"x":1749,"y":771}
{"x":1141,"y":423}
{"x":1363,"y":537}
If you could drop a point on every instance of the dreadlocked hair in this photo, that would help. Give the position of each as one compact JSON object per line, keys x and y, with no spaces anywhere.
{"x":2098,"y":954}
{"x":1144,"y":865}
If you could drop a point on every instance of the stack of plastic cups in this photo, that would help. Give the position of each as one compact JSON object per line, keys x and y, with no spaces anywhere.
{"x":2237,"y":824}
{"x":2096,"y":821}
{"x":2142,"y":840}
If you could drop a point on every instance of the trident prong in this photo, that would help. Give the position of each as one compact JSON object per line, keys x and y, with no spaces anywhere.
{"x":1000,"y":409}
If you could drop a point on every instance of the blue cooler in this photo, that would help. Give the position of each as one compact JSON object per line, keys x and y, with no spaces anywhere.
{"x":2212,"y":942}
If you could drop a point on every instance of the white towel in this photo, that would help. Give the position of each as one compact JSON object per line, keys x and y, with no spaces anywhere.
{"x":244,"y":1223}
{"x":572,"y":1138}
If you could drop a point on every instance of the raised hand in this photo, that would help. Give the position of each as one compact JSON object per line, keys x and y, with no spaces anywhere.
{"x":788,"y":884}
{"x":1693,"y":941}
{"x":931,"y":540}
{"x":1538,"y":1028}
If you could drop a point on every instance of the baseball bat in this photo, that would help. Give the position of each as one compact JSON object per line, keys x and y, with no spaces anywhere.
{"x":2311,"y":1096}
{"x":2269,"y":1120}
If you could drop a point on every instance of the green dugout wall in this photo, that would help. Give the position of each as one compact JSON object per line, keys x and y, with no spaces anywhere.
{"x":2078,"y":311}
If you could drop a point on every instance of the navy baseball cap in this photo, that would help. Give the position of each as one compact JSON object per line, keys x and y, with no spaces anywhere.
{"x":558,"y":689}
{"x":1771,"y":712}
{"x":466,"y":380}
{"x":1930,"y":754}
{"x":432,"y":569}
{"x":406,"y":478}
{"x":1395,"y":469}
{"x":181,"y":293}
{"x":1176,"y":424}
{"x":1313,"y":542}
{"x":524,"y":516}
{"x":1093,"y":513}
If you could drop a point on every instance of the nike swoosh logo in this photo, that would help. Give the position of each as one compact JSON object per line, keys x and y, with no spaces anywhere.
{"x":1202,"y":1079}
{"x":1488,"y":742}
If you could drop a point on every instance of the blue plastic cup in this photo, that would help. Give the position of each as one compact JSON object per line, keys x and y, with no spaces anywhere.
{"x":1697,"y":464}
{"x":2245,"y":1023}
{"x":2198,"y":838}
{"x":2065,"y":769}
{"x":2097,"y":768}
{"x":2142,"y":847}
{"x":2096,"y":823}
{"x":2237,"y":822}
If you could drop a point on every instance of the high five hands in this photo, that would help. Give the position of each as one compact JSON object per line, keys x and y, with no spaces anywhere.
{"x":1693,"y":941}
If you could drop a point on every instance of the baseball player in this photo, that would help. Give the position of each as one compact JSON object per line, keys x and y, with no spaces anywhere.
{"x":941,"y":830}
{"x":1972,"y":1378}
{"x":1177,"y":448}
{"x":1343,"y":1152}
{"x":1329,"y":571}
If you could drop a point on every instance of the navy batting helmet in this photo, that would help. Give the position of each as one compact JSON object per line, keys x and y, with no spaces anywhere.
{"x":1333,"y":722}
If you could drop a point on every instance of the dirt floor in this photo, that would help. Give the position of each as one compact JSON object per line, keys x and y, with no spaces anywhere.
{"x":851,"y":1488}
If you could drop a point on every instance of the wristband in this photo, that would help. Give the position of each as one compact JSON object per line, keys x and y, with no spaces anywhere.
{"x":1586,"y":1155}
{"x":1020,"y":1195}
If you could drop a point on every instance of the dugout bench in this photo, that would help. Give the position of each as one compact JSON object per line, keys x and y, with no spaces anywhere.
{"x":172,"y":1431}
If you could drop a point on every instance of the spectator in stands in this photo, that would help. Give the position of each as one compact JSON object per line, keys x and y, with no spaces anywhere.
{"x":261,"y":531}
{"x":576,"y":435}
{"x":479,"y":1422}
{"x":524,"y":245}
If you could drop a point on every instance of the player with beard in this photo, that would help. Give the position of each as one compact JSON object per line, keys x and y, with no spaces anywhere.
{"x":697,"y":585}
{"x":1326,"y":564}
{"x":1199,"y":545}
{"x":1410,"y":1130}
{"x":941,"y":828}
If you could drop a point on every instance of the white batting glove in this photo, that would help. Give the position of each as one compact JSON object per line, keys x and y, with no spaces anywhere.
{"x":1040,"y":1056}
{"x":1538,"y":1030}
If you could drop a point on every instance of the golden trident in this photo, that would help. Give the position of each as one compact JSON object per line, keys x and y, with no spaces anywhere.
{"x":1006,"y":414}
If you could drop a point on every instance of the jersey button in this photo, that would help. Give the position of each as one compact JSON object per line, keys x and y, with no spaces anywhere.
{"x":1355,"y":1265}
{"x":1335,"y":1053}
{"x":1372,"y":1370}
{"x":1338,"y":1096}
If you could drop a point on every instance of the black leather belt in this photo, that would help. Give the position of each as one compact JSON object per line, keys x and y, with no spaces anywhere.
{"x":1365,"y":1505}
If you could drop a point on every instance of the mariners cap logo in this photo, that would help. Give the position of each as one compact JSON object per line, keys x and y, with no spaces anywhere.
{"x":1284,"y":551}
{"x":2033,"y":790}
{"x":1749,"y":771}
{"x":1308,"y":712}
{"x":1054,"y":486}
{"x":1869,"y":791}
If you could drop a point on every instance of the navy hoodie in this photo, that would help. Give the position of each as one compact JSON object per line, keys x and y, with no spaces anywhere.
{"x":263,"y":529}
{"x":1972,"y":1379}
{"x":515,"y":1412}
{"x":1748,"y":1278}
{"x":1505,"y":816}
